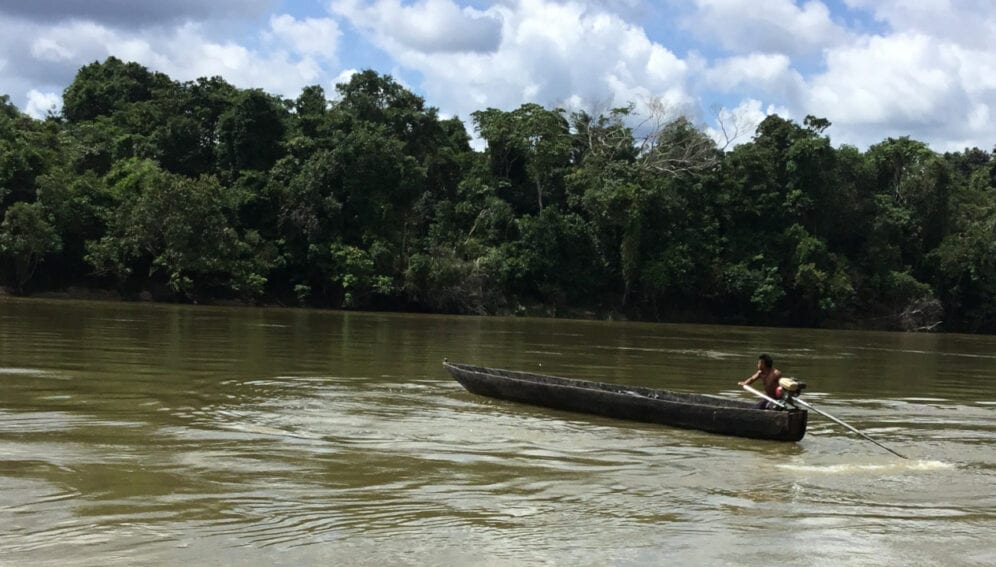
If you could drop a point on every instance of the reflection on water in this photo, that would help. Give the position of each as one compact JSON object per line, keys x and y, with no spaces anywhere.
{"x":149,"y":434}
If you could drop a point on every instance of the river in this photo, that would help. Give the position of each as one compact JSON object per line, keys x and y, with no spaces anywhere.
{"x":140,"y":434}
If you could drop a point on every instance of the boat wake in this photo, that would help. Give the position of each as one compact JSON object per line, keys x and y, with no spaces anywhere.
{"x":850,"y":468}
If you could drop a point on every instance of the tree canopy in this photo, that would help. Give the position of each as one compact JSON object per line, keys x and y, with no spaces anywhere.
{"x":200,"y":191}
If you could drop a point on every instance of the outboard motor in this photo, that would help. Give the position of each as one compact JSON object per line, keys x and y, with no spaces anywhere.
{"x":788,"y":389}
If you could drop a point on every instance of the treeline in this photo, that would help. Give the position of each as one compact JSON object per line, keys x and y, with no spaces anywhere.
{"x":200,"y":191}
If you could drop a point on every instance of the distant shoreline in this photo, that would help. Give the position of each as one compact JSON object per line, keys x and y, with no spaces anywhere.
{"x":78,"y":293}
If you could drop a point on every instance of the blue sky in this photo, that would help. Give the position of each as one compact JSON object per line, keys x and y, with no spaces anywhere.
{"x":875,"y":68}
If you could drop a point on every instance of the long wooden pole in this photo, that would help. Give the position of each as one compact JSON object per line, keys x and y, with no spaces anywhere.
{"x":823,"y":413}
{"x":761,"y":394}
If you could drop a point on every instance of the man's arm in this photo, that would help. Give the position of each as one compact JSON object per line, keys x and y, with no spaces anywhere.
{"x":751,"y":379}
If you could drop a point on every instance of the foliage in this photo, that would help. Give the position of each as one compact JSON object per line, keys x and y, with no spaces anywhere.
{"x":178,"y":230}
{"x":528,"y":149}
{"x":250,"y":133}
{"x":26,"y":238}
{"x":103,"y":88}
{"x":200,"y":191}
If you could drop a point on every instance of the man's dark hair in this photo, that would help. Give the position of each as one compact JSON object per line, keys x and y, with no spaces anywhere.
{"x":768,"y":362}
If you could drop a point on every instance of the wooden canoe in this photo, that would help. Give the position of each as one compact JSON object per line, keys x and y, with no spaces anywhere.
{"x":689,"y":411}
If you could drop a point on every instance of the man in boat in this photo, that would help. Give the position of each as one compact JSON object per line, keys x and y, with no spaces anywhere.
{"x":766,"y":372}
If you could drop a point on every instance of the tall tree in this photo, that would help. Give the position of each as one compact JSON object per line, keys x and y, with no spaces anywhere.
{"x":251,"y":133}
{"x":26,"y":238}
{"x":101,"y":89}
{"x":28,"y":148}
{"x":179,"y":231}
{"x":527,"y":145}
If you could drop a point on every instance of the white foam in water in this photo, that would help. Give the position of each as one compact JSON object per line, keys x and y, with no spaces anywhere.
{"x":848,"y":468}
{"x":28,"y":371}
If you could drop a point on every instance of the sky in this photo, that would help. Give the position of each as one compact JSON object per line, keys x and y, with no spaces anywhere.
{"x":875,"y":68}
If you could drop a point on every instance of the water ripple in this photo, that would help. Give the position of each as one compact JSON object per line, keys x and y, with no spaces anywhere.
{"x":134,"y":435}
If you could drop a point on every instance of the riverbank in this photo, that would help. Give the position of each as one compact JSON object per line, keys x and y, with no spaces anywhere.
{"x":923,"y":319}
{"x":80,"y":293}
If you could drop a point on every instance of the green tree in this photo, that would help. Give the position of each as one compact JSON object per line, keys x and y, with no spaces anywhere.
{"x":311,"y":111}
{"x":76,"y":205}
{"x":101,"y":89}
{"x":371,"y":98}
{"x":530,"y":146}
{"x":964,"y":263}
{"x":28,"y":148}
{"x":251,"y":133}
{"x":26,"y":238}
{"x":180,"y":231}
{"x":780,"y":200}
{"x":554,"y":260}
{"x":607,"y":188}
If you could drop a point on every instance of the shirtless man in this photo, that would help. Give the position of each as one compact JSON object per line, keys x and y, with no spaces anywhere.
{"x":767,"y":372}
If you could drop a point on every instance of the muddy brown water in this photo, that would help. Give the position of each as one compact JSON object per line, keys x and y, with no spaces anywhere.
{"x":136,"y":434}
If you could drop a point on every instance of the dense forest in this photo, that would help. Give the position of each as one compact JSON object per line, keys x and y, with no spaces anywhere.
{"x":366,"y":199}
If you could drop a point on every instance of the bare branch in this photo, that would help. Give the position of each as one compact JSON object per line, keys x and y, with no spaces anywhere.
{"x":733,"y":125}
{"x":671,"y":144}
{"x":663,"y":140}
{"x":602,"y":129}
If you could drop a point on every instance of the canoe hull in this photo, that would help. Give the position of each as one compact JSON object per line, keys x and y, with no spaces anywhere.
{"x":688,"y":411}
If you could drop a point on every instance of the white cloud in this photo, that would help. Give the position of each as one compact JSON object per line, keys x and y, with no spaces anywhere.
{"x":78,"y":41}
{"x":969,"y":23}
{"x":550,"y":52}
{"x":310,"y":36}
{"x":931,"y":76}
{"x":343,"y":77}
{"x":744,"y":26}
{"x":131,"y":13}
{"x":296,"y":52}
{"x":39,"y":103}
{"x":979,"y":117}
{"x":903,"y":77}
{"x":427,"y":26}
{"x":906,"y":84}
{"x":976,"y":71}
{"x":771,"y":72}
{"x":47,"y":49}
{"x":930,"y":72}
{"x":189,"y":54}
